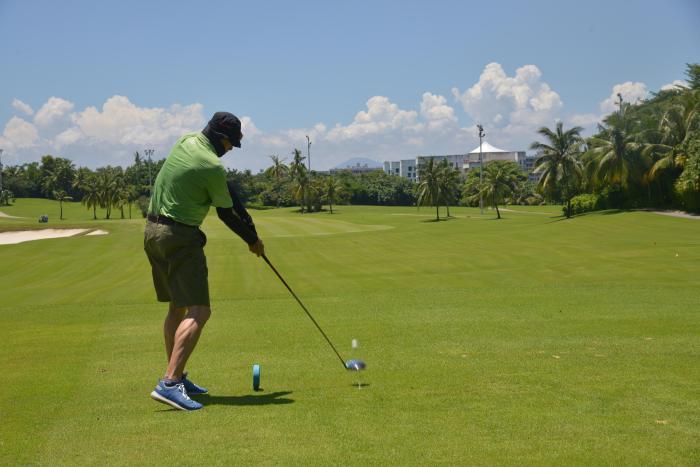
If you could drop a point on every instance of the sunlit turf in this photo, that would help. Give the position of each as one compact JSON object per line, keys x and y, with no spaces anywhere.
{"x":526,"y":340}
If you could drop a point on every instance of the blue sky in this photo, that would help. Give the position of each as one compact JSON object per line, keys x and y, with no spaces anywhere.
{"x":96,"y":81}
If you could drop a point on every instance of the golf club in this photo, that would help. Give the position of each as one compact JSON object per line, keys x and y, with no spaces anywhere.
{"x":351,"y":364}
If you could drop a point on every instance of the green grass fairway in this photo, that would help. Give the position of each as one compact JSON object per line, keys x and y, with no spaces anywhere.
{"x":529,"y":340}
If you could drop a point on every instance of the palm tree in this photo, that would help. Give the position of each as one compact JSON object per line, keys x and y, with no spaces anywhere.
{"x":472,"y":188}
{"x":59,"y":177}
{"x":278,"y":170}
{"x":61,"y":196}
{"x":297,"y":166}
{"x":123,"y":198}
{"x":80,"y":178}
{"x":302,"y":184}
{"x":500,"y":178}
{"x":50,"y":182}
{"x":333,"y":188}
{"x":110,"y":182}
{"x":449,"y":181}
{"x":429,"y":188}
{"x":105,"y":187}
{"x":676,"y":128}
{"x":298,"y":171}
{"x":91,"y":197}
{"x":131,"y":196}
{"x":315,"y":192}
{"x":559,"y":162}
{"x":616,"y":157}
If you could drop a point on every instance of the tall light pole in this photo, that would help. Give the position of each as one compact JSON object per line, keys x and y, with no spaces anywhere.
{"x":0,"y":170}
{"x":619,"y":96}
{"x":149,"y":153}
{"x":481,"y":169}
{"x":308,"y":151}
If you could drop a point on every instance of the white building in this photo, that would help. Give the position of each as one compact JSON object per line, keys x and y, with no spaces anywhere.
{"x":405,"y":168}
{"x":491,"y":153}
{"x":455,"y":161}
{"x":408,"y":168}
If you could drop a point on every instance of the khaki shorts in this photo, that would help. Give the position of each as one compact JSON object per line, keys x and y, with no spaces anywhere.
{"x":178,"y":264}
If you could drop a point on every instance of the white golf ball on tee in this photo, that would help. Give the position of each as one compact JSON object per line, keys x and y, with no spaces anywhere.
{"x":354,"y":344}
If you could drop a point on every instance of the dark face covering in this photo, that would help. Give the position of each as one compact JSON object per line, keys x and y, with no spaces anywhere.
{"x":215,"y":138}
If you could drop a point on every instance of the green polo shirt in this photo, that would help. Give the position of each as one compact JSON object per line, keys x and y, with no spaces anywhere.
{"x":191,"y":180}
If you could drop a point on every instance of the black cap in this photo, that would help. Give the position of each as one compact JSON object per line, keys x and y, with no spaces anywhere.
{"x":225,"y":125}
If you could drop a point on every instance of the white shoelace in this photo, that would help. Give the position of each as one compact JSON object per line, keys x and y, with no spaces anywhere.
{"x":181,"y":388}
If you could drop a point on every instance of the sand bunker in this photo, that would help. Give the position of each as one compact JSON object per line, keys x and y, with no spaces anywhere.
{"x":98,"y":232}
{"x":682,"y":214}
{"x":7,"y":216}
{"x":9,"y":238}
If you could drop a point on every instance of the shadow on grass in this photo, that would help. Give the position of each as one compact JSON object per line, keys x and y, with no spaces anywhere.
{"x":608,"y":212}
{"x":272,"y":398}
{"x":442,"y":219}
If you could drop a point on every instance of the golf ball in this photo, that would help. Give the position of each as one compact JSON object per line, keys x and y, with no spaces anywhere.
{"x":356,"y":365}
{"x":355,"y":344}
{"x":256,"y":377}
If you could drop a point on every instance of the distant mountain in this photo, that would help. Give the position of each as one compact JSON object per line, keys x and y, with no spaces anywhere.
{"x":362,"y":161}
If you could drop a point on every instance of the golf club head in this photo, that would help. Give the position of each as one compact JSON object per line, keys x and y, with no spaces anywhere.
{"x":355,"y":365}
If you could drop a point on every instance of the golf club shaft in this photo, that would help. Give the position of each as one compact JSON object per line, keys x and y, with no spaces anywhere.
{"x":305,"y":310}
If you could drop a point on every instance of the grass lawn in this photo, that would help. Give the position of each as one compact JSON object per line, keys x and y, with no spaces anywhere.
{"x":527,"y":340}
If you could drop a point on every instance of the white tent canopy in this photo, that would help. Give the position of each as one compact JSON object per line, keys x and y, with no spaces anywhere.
{"x":486,"y":147}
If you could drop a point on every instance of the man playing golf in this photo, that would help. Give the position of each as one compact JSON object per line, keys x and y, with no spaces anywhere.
{"x":191,"y":180}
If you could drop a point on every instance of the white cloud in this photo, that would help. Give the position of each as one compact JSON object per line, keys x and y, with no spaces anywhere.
{"x":632,"y":93}
{"x":122,"y":123}
{"x":22,"y":107}
{"x":545,"y":99}
{"x":584,"y":120}
{"x":250,"y":131}
{"x":66,"y":138}
{"x":435,"y":110}
{"x":674,"y":85}
{"x":381,"y":116}
{"x":512,"y":107}
{"x":19,"y":134}
{"x":497,"y":99}
{"x":55,"y":111}
{"x":109,"y":135}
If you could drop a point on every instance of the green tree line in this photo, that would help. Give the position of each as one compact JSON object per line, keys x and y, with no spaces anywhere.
{"x":109,"y":188}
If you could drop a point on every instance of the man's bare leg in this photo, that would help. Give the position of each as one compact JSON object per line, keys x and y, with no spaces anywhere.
{"x":172,"y":321}
{"x":186,"y":337}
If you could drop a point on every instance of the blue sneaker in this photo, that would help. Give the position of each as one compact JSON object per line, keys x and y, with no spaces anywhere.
{"x":175,"y":396}
{"x":192,"y":388}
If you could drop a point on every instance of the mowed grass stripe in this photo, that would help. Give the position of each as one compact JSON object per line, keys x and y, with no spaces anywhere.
{"x":279,"y":227}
